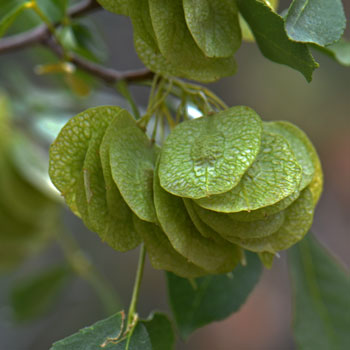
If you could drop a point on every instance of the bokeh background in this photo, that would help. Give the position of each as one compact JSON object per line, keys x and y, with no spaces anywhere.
{"x":321,"y":108}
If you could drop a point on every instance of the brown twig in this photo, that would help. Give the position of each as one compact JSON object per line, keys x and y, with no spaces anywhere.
{"x":42,"y":36}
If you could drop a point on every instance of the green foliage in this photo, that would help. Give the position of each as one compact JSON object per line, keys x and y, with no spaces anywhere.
{"x":340,"y":51}
{"x":28,"y":216}
{"x":321,"y":297}
{"x":112,"y":334}
{"x":160,"y":331}
{"x":314,"y":21}
{"x":197,"y":39}
{"x":32,"y":297}
{"x":10,"y":17}
{"x":268,"y":29}
{"x":204,"y":300}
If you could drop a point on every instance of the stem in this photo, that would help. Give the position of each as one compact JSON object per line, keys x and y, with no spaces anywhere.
{"x":50,"y":26}
{"x":86,"y":270}
{"x":137,"y":284}
{"x":123,"y":89}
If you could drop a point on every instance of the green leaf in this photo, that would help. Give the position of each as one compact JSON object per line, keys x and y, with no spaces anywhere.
{"x":209,"y":155}
{"x":83,"y":38}
{"x":186,"y":239}
{"x":161,"y":253}
{"x":274,"y":175}
{"x":268,"y":29}
{"x":35,"y":295}
{"x":68,"y":151}
{"x":106,"y":334}
{"x":230,"y":229}
{"x":111,"y":334}
{"x":179,"y":48}
{"x":119,"y":7}
{"x":53,"y":9}
{"x":132,"y":159}
{"x":10,"y":17}
{"x":321,"y":298}
{"x":320,"y":22}
{"x":298,"y":220}
{"x":214,"y":26}
{"x":160,"y":332}
{"x":211,"y":298}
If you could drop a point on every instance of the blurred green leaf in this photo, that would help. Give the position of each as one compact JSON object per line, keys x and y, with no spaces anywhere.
{"x":83,"y":38}
{"x":35,"y":295}
{"x":13,"y":11}
{"x":10,"y":17}
{"x":340,"y":51}
{"x":268,"y":29}
{"x":53,"y":9}
{"x":211,"y":298}
{"x":315,"y":21}
{"x":119,"y":7}
{"x":321,"y":298}
{"x":112,"y":334}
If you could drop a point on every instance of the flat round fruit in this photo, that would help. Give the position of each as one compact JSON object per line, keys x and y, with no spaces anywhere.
{"x":305,"y":153}
{"x":274,"y":175}
{"x":301,"y":146}
{"x":209,"y":155}
{"x":67,"y":153}
{"x":132,"y":159}
{"x":94,"y":185}
{"x":145,"y":40}
{"x":185,"y":238}
{"x":201,"y":226}
{"x":119,"y":231}
{"x":214,"y":26}
{"x":298,"y":220}
{"x":264,"y":212}
{"x":228,"y":228}
{"x":161,"y":253}
{"x":179,"y":48}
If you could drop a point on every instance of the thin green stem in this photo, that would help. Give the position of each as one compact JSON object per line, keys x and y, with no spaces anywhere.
{"x":82,"y":266}
{"x":137,"y":284}
{"x":34,"y":6}
{"x":123,"y":89}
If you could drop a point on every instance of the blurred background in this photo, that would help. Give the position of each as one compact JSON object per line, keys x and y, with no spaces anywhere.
{"x":40,"y":104}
